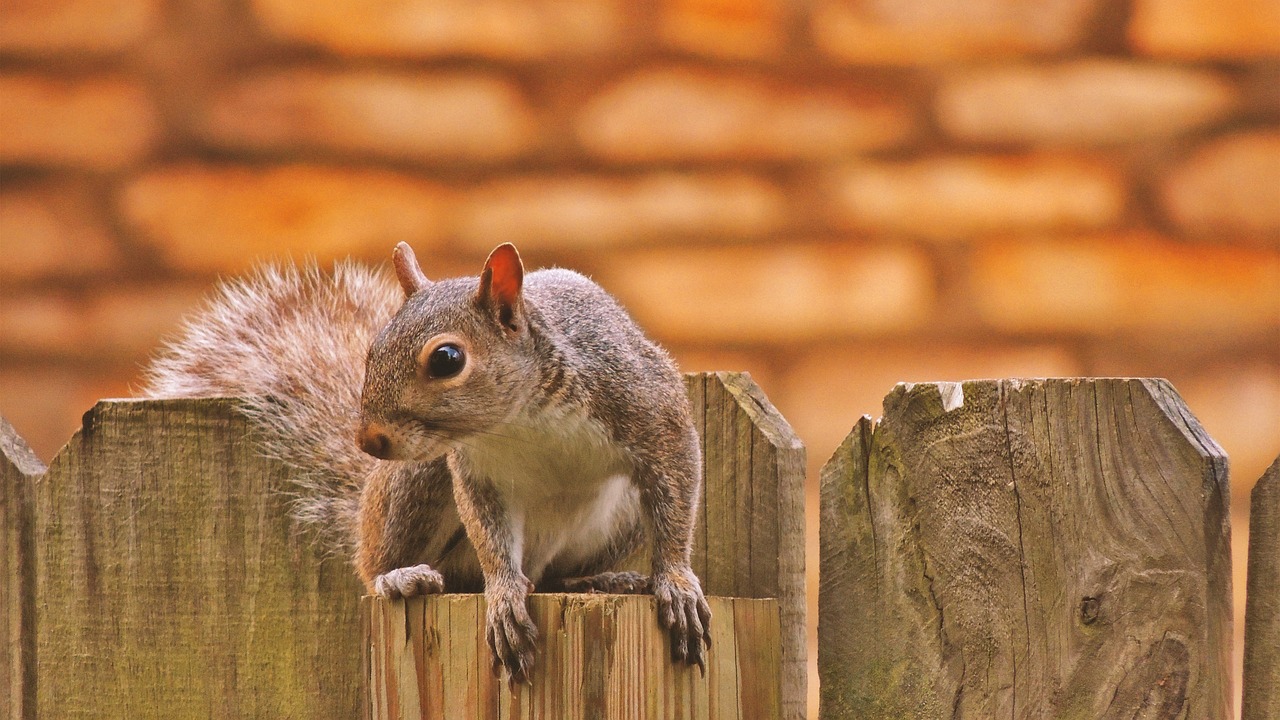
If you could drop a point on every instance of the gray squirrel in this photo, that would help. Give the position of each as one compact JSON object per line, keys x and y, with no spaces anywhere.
{"x":504,"y":432}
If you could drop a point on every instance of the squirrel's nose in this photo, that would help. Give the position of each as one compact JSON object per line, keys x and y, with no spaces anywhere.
{"x":373,"y":439}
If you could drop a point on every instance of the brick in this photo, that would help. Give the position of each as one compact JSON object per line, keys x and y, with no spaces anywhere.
{"x":1081,"y":102}
{"x":497,"y":29}
{"x":45,"y":404}
{"x":53,"y":230}
{"x":1206,"y":29}
{"x":593,"y":212}
{"x":684,"y":114}
{"x":709,"y":359}
{"x":724,"y":28}
{"x":914,"y":32}
{"x":104,"y":326}
{"x":1228,"y":188}
{"x":825,"y":388}
{"x":216,"y":219}
{"x":958,"y":196}
{"x":771,"y":294}
{"x":452,"y":117}
{"x":1129,"y":283}
{"x":1238,"y":402}
{"x":100,"y":123}
{"x":42,"y":27}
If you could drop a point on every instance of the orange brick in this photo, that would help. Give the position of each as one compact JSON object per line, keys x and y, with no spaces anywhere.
{"x":216,"y":219}
{"x":97,"y":123}
{"x":956,"y":196}
{"x":1135,"y":283}
{"x":500,"y":29}
{"x":771,"y":294}
{"x":1238,"y":402}
{"x":39,"y":27}
{"x":594,"y":212}
{"x":1206,"y":29}
{"x":112,"y":326}
{"x":726,"y":28}
{"x":1228,"y":188}
{"x":825,"y":388}
{"x":1080,"y":102}
{"x":53,"y":230}
{"x":45,"y":404}
{"x":684,"y":114}
{"x":454,"y":117}
{"x":912,"y":32}
{"x":755,"y":363}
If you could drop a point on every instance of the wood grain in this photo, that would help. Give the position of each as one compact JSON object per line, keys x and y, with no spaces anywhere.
{"x":750,"y":536}
{"x":1027,"y":549}
{"x":599,"y":656}
{"x":1262,"y":607}
{"x":170,"y":584}
{"x":19,"y":470}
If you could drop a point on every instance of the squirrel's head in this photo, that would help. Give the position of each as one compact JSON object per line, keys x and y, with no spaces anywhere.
{"x":455,"y":360}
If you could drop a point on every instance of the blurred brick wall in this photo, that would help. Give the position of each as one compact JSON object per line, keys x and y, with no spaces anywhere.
{"x":833,"y":195}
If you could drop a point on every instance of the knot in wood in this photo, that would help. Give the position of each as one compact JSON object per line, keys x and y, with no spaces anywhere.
{"x":1089,"y":608}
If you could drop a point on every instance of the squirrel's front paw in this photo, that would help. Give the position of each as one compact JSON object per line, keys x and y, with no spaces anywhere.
{"x":510,"y":631}
{"x":684,"y":612}
{"x":408,"y":582}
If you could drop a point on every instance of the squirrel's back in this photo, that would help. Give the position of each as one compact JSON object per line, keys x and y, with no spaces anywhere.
{"x":292,"y":342}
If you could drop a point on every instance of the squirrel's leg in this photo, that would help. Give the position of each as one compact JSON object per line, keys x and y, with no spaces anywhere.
{"x":669,"y":485}
{"x":401,"y":509}
{"x":495,"y":533}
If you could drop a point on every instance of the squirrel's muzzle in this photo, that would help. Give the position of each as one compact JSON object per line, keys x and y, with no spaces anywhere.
{"x":374,"y":440}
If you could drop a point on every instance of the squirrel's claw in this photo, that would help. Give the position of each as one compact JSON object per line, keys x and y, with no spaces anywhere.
{"x":408,"y":582}
{"x":511,"y":635}
{"x":684,"y":612}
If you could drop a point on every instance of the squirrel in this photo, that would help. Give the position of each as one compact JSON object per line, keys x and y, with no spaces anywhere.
{"x":506,"y":432}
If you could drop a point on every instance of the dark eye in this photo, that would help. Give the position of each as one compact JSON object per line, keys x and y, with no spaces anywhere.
{"x":446,"y":361}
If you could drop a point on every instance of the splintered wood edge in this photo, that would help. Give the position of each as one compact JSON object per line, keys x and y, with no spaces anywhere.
{"x":1261,"y":681}
{"x":17,"y":452}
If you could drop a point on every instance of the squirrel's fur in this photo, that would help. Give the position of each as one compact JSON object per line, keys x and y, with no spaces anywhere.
{"x":551,"y":438}
{"x":291,"y":342}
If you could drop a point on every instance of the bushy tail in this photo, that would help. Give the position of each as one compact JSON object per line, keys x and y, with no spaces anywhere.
{"x":293,"y":343}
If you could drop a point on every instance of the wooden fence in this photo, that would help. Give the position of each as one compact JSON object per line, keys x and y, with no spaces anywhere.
{"x":1034,"y":549}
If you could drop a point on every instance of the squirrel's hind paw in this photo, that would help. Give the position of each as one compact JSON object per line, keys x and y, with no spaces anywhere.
{"x":408,"y":582}
{"x":619,"y":583}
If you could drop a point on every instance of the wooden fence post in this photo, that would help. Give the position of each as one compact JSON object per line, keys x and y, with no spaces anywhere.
{"x":599,"y":656}
{"x":749,"y":544}
{"x":750,"y":536}
{"x":169,"y":580}
{"x":19,"y":469}
{"x":1043,"y":548}
{"x":1262,"y":607}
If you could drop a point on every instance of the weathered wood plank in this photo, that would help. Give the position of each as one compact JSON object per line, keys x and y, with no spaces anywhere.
{"x":171,"y":584}
{"x":750,"y":541}
{"x":1262,"y":608}
{"x":19,"y":469}
{"x":600,"y":656}
{"x":1049,"y":548}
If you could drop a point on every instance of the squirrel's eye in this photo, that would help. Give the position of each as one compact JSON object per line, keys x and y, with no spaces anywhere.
{"x":446,"y":361}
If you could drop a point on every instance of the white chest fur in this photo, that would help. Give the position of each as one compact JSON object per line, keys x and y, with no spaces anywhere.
{"x":565,"y":483}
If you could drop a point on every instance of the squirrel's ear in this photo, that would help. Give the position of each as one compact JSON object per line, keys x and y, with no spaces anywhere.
{"x":407,"y":270}
{"x":500,"y":282}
